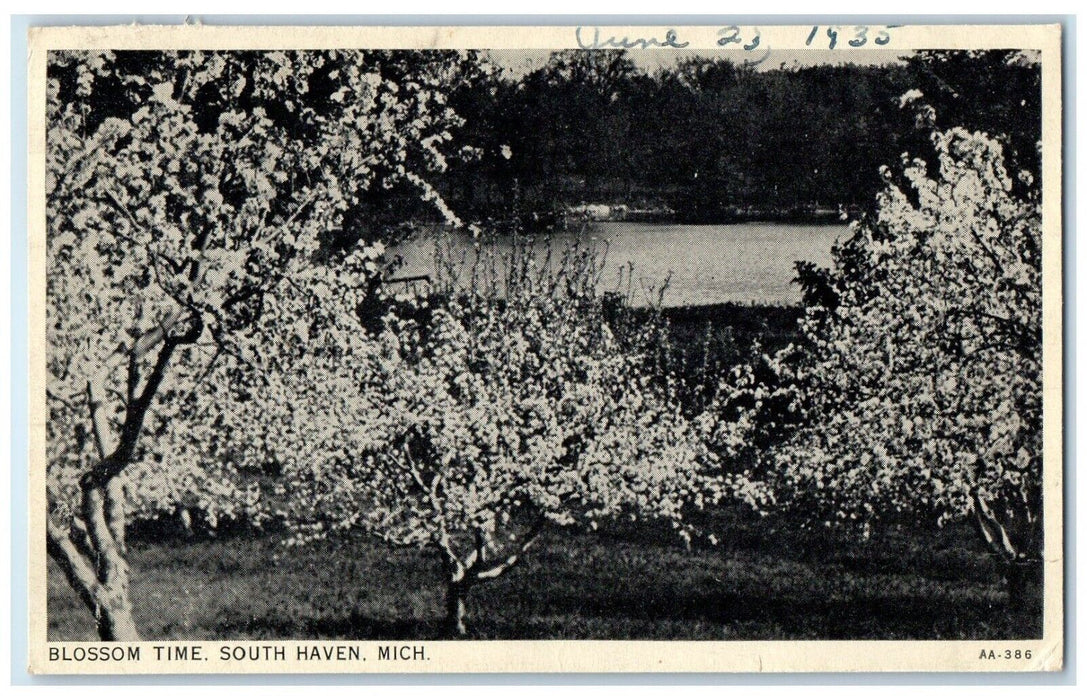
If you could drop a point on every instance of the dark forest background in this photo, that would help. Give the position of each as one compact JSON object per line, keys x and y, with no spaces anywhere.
{"x":710,"y":141}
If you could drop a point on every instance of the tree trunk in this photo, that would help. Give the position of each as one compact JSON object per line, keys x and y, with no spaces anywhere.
{"x":91,"y":553}
{"x":90,"y":549}
{"x":455,"y":609}
{"x":115,"y":621}
{"x":1014,"y":537}
{"x":105,"y":595}
{"x":114,"y":613}
{"x":1023,"y":577}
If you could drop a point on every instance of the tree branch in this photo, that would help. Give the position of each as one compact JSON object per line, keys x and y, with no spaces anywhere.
{"x":994,"y":533}
{"x":113,"y":507}
{"x":510,"y":561}
{"x":133,"y":378}
{"x":81,"y":538}
{"x":162,"y":331}
{"x":128,"y":215}
{"x":99,"y":534}
{"x":77,"y":570}
{"x":94,"y":405}
{"x":443,"y":540}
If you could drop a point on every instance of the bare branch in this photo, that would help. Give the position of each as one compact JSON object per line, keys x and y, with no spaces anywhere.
{"x":133,"y":378}
{"x":443,"y":540}
{"x":510,"y":561}
{"x":98,"y":531}
{"x":69,"y":403}
{"x":128,"y":215}
{"x":81,"y":538}
{"x":113,"y":507}
{"x":94,"y":405}
{"x":994,"y":533}
{"x":79,"y":572}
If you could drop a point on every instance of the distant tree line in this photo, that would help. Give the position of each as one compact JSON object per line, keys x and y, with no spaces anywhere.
{"x":713,"y":140}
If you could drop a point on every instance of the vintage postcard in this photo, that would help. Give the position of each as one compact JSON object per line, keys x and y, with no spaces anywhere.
{"x":545,"y":349}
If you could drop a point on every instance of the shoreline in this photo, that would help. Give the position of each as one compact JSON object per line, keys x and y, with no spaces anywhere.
{"x":603,"y":213}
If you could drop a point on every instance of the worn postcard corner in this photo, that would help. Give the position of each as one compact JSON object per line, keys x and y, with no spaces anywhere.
{"x":566,"y":349}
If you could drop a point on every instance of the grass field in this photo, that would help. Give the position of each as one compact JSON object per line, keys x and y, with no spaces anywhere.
{"x":768,"y":581}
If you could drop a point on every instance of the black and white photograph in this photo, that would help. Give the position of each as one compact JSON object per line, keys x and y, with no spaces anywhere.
{"x":646,"y":337}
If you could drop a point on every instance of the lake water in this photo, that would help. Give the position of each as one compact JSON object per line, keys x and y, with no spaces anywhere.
{"x":749,"y":262}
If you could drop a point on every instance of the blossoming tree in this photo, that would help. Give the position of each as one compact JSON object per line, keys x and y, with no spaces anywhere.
{"x":483,"y":415}
{"x":188,"y":195}
{"x":916,"y":390}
